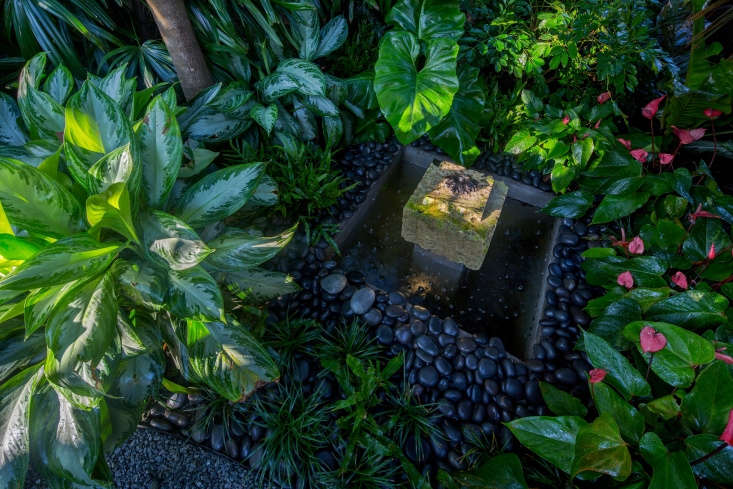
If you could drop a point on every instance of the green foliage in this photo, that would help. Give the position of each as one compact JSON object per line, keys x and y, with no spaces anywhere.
{"x":105,"y":251}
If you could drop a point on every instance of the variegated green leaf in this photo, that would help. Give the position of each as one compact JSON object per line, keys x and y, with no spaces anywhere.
{"x":228,"y":359}
{"x":264,"y":196}
{"x":59,"y":84}
{"x":264,"y":116}
{"x":237,"y":248}
{"x":141,"y":282}
{"x":193,"y":293}
{"x":259,"y":283}
{"x":198,"y":160}
{"x":41,"y":303}
{"x":111,"y":209}
{"x":15,"y":402}
{"x":19,"y":352}
{"x":63,"y":261}
{"x":10,"y":118}
{"x":43,"y":116}
{"x":333,"y":35}
{"x":277,"y":85}
{"x":37,"y":203}
{"x":219,"y":194}
{"x":171,"y":239}
{"x":116,"y":85}
{"x":161,"y":151}
{"x":117,"y":166}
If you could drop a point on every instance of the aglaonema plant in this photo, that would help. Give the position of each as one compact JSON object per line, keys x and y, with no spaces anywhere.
{"x":110,"y":263}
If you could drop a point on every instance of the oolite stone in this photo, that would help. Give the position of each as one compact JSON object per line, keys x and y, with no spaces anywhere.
{"x":453,"y":212}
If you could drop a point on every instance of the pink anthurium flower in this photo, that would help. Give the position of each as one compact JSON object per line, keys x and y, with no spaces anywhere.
{"x":701,"y":213}
{"x":727,"y":434}
{"x":680,"y":280}
{"x":687,"y":136}
{"x":625,"y":142}
{"x":604,"y":97}
{"x":711,"y":113}
{"x":711,"y":252}
{"x":625,"y":279}
{"x":724,"y":358}
{"x":566,"y":119}
{"x":596,"y":375}
{"x":651,"y":340}
{"x":650,"y":109}
{"x":636,"y":246}
{"x":665,"y":158}
{"x":639,"y":155}
{"x":597,"y":124}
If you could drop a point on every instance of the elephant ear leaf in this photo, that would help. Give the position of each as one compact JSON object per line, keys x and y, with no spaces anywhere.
{"x":228,"y":359}
{"x":15,"y":401}
{"x":429,"y":19}
{"x":415,"y":100}
{"x":37,"y":203}
{"x":161,"y":152}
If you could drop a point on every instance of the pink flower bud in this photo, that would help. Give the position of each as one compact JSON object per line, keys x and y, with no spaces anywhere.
{"x":636,"y":246}
{"x":625,"y":142}
{"x":651,"y":340}
{"x":597,"y":375}
{"x":625,"y":279}
{"x":665,"y":158}
{"x":639,"y":155}
{"x":727,"y":435}
{"x":597,"y":124}
{"x":724,"y":358}
{"x":680,"y":280}
{"x":650,"y":109}
{"x":711,"y":252}
{"x":711,"y":113}
{"x":604,"y":97}
{"x":566,"y":119}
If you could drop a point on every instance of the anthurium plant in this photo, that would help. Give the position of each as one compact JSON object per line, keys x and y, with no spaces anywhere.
{"x":112,"y":249}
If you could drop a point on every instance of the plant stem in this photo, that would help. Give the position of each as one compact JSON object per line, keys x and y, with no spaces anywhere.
{"x":719,"y":449}
{"x":715,"y":147}
{"x":649,"y":366}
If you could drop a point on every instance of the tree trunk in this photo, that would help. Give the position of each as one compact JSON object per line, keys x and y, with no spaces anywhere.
{"x":178,"y":36}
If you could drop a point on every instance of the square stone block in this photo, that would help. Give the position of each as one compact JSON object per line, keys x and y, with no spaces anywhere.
{"x":453,"y":212}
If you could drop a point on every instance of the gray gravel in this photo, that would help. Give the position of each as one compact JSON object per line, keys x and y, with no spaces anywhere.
{"x":154,"y":460}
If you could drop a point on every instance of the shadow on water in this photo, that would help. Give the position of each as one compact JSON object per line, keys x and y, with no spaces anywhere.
{"x":500,"y":299}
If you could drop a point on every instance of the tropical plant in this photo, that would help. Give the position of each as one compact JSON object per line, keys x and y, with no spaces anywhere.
{"x":104,"y":251}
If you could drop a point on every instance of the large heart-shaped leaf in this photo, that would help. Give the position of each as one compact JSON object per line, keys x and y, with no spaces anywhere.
{"x":414,"y":99}
{"x":236,"y":248}
{"x":551,"y":438}
{"x":692,"y":309}
{"x":173,"y":240}
{"x":35,"y":202}
{"x":621,"y":374}
{"x":193,"y":293}
{"x":219,"y":194}
{"x":706,"y":407}
{"x":65,"y":441}
{"x":676,"y":362}
{"x":63,"y":261}
{"x":429,"y":19}
{"x":600,"y":448}
{"x":456,"y":133}
{"x":10,"y":129}
{"x":161,"y":152}
{"x":15,"y":400}
{"x":228,"y":359}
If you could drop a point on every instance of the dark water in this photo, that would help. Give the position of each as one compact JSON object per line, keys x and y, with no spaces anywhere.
{"x":500,"y":299}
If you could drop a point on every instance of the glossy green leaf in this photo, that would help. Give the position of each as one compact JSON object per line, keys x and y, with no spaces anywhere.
{"x":15,"y":399}
{"x":551,"y":438}
{"x":142,"y":283}
{"x":63,"y":261}
{"x":161,"y":152}
{"x":429,"y":19}
{"x":717,"y":468}
{"x":673,"y":471}
{"x":613,"y":207}
{"x":35,"y":202}
{"x":600,"y":448}
{"x":200,"y":159}
{"x":259,"y":283}
{"x":219,"y":194}
{"x":228,"y":359}
{"x":676,"y":362}
{"x":111,"y":210}
{"x":609,"y":402}
{"x":574,"y":204}
{"x":414,"y":99}
{"x":115,"y":85}
{"x":236,"y":248}
{"x":332,"y":36}
{"x":43,"y":116}
{"x":705,"y":234}
{"x":705,"y":408}
{"x":264,"y":116}
{"x":646,"y":270}
{"x":520,"y":142}
{"x":502,"y":471}
{"x":621,"y":374}
{"x":456,"y":133}
{"x":171,"y":239}
{"x":40,"y":304}
{"x":11,"y":133}
{"x":611,"y":322}
{"x":116,"y":166}
{"x":59,"y":84}
{"x":218,"y":113}
{"x":562,"y":176}
{"x":193,"y":293}
{"x":666,"y":407}
{"x":307,"y":76}
{"x":560,"y":402}
{"x":694,"y":309}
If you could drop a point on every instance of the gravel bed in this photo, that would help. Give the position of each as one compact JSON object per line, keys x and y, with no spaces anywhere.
{"x":150,"y":459}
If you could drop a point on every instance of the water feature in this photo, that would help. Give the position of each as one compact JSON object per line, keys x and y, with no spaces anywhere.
{"x":500,"y":299}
